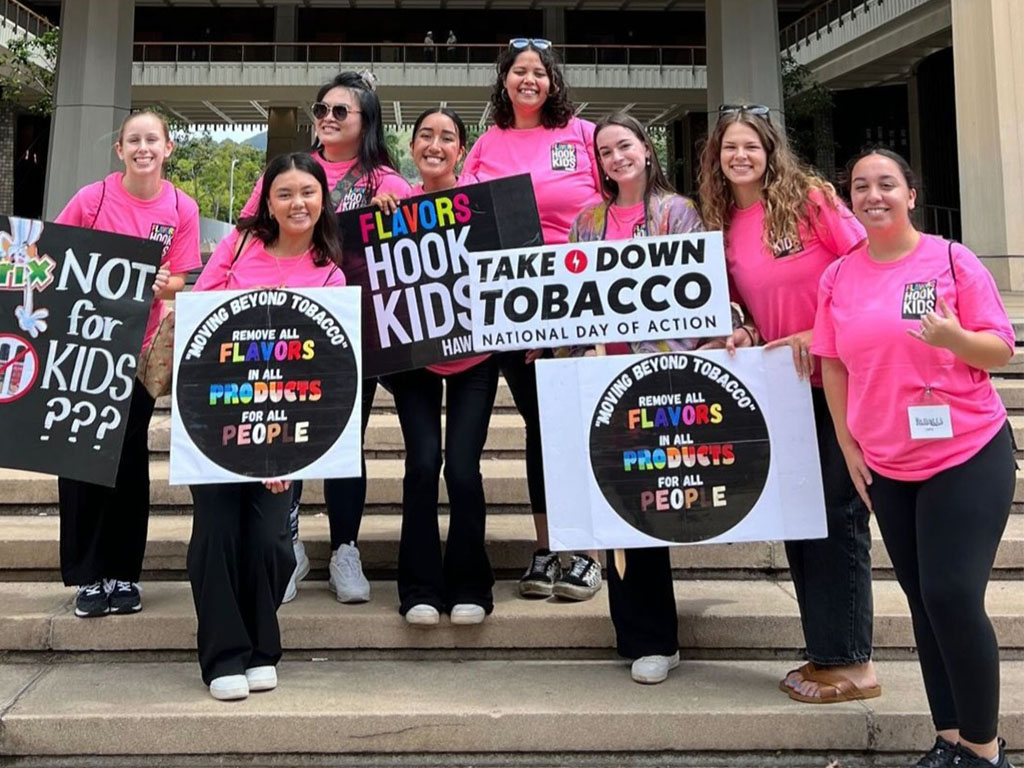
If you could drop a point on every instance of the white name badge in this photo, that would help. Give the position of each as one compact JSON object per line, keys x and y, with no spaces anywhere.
{"x":930,"y":422}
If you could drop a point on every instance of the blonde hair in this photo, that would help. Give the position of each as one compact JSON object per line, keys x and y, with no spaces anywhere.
{"x":141,"y":113}
{"x":784,"y":187}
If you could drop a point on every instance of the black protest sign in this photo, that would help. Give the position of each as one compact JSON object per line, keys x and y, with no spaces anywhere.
{"x":679,"y":448}
{"x":73,"y":310}
{"x":413,"y":267}
{"x":266,"y":383}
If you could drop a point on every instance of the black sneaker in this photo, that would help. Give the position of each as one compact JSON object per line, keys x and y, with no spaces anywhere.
{"x":581,"y":581}
{"x":938,"y":756}
{"x":965,"y":758}
{"x":91,"y":601}
{"x":125,"y":596}
{"x":540,"y":577}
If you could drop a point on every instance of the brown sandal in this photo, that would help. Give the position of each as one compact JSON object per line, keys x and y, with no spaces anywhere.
{"x":834,"y":689}
{"x":804,"y":671}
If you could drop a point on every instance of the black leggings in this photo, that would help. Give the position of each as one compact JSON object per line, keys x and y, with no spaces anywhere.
{"x":942,"y":534}
{"x":522,"y":383}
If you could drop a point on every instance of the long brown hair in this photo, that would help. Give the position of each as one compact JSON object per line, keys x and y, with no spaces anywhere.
{"x":657,"y":183}
{"x":784,"y":187}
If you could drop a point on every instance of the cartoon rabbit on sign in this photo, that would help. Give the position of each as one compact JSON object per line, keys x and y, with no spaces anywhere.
{"x":20,"y":248}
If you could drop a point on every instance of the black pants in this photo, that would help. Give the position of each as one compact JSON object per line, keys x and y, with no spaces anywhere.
{"x":643,"y":605}
{"x":832,"y":576}
{"x":239,"y":561}
{"x":942,"y":534}
{"x":103,"y":530}
{"x":345,"y":496}
{"x":522,"y":382}
{"x":464,"y":574}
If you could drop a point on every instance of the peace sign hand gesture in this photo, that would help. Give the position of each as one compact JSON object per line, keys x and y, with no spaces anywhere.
{"x":942,"y":331}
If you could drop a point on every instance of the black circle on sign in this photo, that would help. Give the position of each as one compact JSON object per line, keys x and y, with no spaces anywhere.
{"x":331,"y":366}
{"x":686,"y":512}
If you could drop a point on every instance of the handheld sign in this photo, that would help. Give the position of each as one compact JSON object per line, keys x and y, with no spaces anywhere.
{"x":266,"y":384}
{"x":413,"y":267}
{"x":679,"y":448}
{"x":644,"y":289}
{"x":73,"y":310}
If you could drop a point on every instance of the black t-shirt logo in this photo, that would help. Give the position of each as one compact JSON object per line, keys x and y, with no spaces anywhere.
{"x":640,"y":229}
{"x":563,"y":157}
{"x":918,"y":299}
{"x":162,"y":233}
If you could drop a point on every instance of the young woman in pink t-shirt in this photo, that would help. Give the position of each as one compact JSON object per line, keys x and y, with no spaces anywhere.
{"x":240,"y":556}
{"x":907,"y":327}
{"x":460,"y":580}
{"x":103,"y":530}
{"x":351,"y":149}
{"x":783,"y":227}
{"x":535,"y":131}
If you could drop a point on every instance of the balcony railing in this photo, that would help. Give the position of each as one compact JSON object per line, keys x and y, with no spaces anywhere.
{"x":17,"y":15}
{"x":407,"y":53}
{"x":942,"y":221}
{"x":821,"y":20}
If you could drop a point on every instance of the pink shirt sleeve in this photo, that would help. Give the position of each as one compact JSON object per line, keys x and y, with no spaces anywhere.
{"x":837,"y":228}
{"x":465,"y":179}
{"x":337,"y":279}
{"x":81,"y":208}
{"x":253,"y":203}
{"x":393,"y":184}
{"x":214,"y":276}
{"x":978,"y":301}
{"x":824,"y":335}
{"x":471,"y":165}
{"x":183,"y":255}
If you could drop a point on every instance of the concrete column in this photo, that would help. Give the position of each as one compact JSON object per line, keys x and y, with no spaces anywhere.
{"x":554,"y":23}
{"x":988,"y":57}
{"x":93,"y":95}
{"x":916,"y":151}
{"x":744,"y":66}
{"x":286,"y":29}
{"x":8,"y":125}
{"x":283,"y":132}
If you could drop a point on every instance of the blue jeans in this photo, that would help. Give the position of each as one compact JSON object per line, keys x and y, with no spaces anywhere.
{"x":832,"y":576}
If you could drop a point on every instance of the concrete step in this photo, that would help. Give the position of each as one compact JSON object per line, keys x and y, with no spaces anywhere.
{"x":506,"y":432}
{"x":504,"y":484}
{"x":733,"y":617}
{"x":580,"y":708}
{"x":1012,"y":392}
{"x":29,"y":546}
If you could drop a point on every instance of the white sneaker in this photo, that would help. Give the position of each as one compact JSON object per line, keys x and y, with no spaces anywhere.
{"x":468,"y":613}
{"x":651,"y":670}
{"x":229,"y":687}
{"x":261,"y":678}
{"x":347,"y":580}
{"x":422,"y":615}
{"x":300,"y":572}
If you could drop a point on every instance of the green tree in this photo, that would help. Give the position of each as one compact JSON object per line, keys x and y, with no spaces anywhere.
{"x":202,"y":168}
{"x":808,"y":107}
{"x":28,"y":67}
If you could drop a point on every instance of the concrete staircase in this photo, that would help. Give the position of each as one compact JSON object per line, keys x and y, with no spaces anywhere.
{"x":538,"y":684}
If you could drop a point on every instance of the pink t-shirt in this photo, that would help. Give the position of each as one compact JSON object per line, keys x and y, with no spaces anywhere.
{"x":256,"y":268}
{"x":779,"y":286}
{"x":625,"y":223}
{"x":864,"y":310}
{"x":560,"y":162}
{"x":388,"y":181}
{"x":172,"y":218}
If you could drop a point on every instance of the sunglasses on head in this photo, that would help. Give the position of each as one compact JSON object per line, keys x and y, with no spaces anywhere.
{"x":751,"y":109}
{"x":518,"y":43}
{"x":320,"y":110}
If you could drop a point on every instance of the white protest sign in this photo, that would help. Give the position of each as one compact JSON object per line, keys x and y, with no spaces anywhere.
{"x":644,"y":289}
{"x":267,"y":385}
{"x":678,"y":448}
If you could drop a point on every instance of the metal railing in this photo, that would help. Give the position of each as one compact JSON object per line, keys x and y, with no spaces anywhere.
{"x":406,"y":53}
{"x":941,"y":220}
{"x":821,"y":20}
{"x":17,"y":15}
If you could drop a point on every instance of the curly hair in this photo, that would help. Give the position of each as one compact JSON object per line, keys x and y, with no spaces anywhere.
{"x":784,"y":187}
{"x":557,"y":110}
{"x":326,"y":242}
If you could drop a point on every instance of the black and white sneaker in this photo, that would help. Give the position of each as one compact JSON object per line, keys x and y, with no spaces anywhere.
{"x":938,"y":756}
{"x":581,"y":581}
{"x":91,"y":601}
{"x":540,"y":577}
{"x":124,"y":596}
{"x":965,"y":758}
